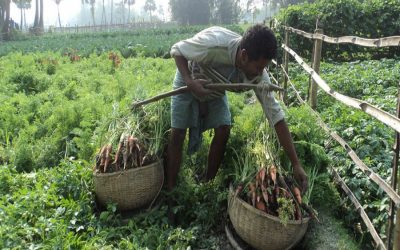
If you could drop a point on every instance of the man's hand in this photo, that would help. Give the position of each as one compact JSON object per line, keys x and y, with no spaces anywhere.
{"x":197,"y":87}
{"x":301,"y":178}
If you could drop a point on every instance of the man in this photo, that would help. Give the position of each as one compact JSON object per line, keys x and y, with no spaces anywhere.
{"x":217,"y":54}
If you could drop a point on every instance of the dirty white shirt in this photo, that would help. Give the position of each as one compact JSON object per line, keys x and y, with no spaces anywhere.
{"x":216,"y":47}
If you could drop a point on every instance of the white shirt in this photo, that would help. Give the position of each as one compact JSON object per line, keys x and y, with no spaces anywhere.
{"x":216,"y":48}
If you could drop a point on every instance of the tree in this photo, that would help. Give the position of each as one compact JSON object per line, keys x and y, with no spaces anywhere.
{"x":58,"y":11}
{"x":255,"y":13}
{"x":121,"y":8}
{"x":112,"y":8}
{"x":191,"y":12}
{"x":41,"y":24}
{"x":228,"y":11}
{"x":23,"y":5}
{"x":27,"y":6}
{"x":161,"y":12}
{"x":20,"y":5}
{"x":150,"y":6}
{"x":129,"y":2}
{"x":266,"y":4}
{"x":5,"y":17}
{"x":286,"y":3}
{"x":92,"y":5}
{"x":103,"y":15}
{"x":249,"y":5}
{"x":38,"y":26}
{"x":36,"y":22}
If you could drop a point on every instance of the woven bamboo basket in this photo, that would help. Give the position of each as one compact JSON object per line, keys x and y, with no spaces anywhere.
{"x":261,"y":230}
{"x":130,"y":188}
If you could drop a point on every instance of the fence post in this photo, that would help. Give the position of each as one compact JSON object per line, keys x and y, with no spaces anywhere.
{"x":310,"y":77}
{"x":286,"y":59}
{"x":396,"y":241}
{"x":316,"y":64}
{"x":395,"y":165}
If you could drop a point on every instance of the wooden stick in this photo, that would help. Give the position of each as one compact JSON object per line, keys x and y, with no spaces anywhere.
{"x":159,"y":97}
{"x":213,"y":86}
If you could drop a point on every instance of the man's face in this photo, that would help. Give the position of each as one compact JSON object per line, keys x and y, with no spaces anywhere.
{"x":252,"y":68}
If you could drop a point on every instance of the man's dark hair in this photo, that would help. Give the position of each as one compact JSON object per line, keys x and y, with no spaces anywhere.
{"x":259,"y":42}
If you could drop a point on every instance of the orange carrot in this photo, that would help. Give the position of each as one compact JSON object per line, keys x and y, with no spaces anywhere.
{"x":102,"y":155}
{"x":252,"y":188}
{"x":272,"y":173}
{"x":297,"y":194}
{"x":117,"y":155}
{"x":261,"y":175}
{"x":264,"y":193}
{"x":238,"y":189}
{"x":138,"y":154}
{"x":107,"y":157}
{"x":125,"y":153}
{"x":260,"y":204}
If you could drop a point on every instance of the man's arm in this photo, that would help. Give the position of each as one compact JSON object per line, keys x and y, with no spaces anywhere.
{"x":196,"y":86}
{"x":285,"y":139}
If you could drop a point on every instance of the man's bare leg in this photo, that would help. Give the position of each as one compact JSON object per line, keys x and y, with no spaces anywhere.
{"x":174,"y":159}
{"x":217,"y":150}
{"x":174,"y":156}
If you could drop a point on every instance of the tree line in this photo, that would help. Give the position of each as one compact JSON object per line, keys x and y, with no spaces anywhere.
{"x":183,"y":11}
{"x":222,"y":11}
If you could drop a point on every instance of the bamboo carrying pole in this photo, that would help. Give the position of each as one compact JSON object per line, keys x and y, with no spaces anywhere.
{"x":316,"y":63}
{"x":214,"y":86}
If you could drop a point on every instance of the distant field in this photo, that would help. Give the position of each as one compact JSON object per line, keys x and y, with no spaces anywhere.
{"x":149,"y":42}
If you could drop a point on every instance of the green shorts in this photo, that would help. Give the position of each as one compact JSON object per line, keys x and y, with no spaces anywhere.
{"x":185,"y":113}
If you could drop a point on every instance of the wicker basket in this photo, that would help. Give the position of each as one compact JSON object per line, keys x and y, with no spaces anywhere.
{"x":261,"y":230}
{"x":129,"y":189}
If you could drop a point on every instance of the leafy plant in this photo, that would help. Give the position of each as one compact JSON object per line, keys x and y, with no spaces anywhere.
{"x":285,"y":210}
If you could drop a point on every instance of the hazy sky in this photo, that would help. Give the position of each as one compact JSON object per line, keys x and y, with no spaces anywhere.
{"x":71,"y":11}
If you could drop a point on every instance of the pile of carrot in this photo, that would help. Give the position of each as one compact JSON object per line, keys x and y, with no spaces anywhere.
{"x":130,"y":154}
{"x":268,"y":191}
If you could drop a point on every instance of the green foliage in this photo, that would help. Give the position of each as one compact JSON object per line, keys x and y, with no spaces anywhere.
{"x":375,"y":82}
{"x":368,"y":19}
{"x":308,"y":138}
{"x":47,"y":117}
{"x":58,"y":106}
{"x":285,"y":210}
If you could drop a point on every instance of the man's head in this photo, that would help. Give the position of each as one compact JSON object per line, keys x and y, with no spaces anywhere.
{"x":257,"y":48}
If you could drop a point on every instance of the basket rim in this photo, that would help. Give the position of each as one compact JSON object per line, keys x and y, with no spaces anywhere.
{"x":261,"y":213}
{"x":122,"y":172}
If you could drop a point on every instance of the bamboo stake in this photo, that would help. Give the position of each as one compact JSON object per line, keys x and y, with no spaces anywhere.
{"x":286,"y":61}
{"x":396,"y":241}
{"x":395,"y":164}
{"x":361,"y":211}
{"x":213,"y":86}
{"x":316,"y":63}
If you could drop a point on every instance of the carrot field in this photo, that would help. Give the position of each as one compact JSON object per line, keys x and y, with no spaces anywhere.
{"x":64,"y":96}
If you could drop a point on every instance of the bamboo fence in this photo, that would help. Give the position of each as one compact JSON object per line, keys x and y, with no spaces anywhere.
{"x":392,"y":121}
